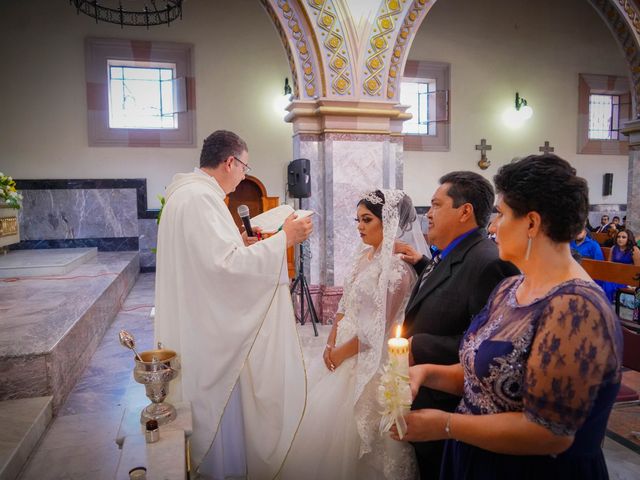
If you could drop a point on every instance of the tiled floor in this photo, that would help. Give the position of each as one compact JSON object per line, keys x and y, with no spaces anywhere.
{"x":80,"y":441}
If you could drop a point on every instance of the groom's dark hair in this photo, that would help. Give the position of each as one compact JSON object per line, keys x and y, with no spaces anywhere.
{"x":219,"y":146}
{"x":470,"y":187}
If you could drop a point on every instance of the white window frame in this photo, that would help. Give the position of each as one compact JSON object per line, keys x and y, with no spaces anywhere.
{"x":423,"y":72}
{"x":589,"y":84}
{"x":98,"y":53}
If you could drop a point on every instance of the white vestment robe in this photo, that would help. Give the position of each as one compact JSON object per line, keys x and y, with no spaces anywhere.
{"x":226,"y":309}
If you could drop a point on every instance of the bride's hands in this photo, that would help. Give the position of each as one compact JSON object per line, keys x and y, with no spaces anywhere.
{"x":326,"y":356}
{"x":334,"y":356}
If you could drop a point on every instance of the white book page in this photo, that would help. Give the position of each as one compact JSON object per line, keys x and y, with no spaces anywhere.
{"x":271,"y":221}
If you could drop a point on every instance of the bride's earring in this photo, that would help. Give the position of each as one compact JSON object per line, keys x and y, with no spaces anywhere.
{"x":526,"y":255}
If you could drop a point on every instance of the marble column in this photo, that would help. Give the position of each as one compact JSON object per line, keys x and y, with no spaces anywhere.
{"x":343,"y":167}
{"x":632,"y":129}
{"x":346,"y":59}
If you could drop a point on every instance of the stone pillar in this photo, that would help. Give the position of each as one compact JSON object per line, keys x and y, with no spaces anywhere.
{"x":343,"y":167}
{"x":346,"y":59}
{"x":632,"y":129}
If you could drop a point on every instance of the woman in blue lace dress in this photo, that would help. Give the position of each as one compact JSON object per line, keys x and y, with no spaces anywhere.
{"x":540,"y":364}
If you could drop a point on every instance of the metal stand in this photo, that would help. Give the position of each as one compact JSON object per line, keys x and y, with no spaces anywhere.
{"x":305,"y":296}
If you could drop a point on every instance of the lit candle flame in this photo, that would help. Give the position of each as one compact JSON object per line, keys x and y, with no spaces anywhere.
{"x":398,"y":329}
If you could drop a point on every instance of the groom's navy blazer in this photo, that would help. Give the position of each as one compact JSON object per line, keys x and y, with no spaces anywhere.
{"x":438,"y":313}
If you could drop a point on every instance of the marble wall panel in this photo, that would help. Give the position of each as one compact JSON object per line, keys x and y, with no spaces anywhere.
{"x":309,"y":146}
{"x":79,"y":213}
{"x":148,"y":229}
{"x":358,"y":167}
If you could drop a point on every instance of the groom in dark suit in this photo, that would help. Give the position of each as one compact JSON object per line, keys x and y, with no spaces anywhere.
{"x":451,"y":288}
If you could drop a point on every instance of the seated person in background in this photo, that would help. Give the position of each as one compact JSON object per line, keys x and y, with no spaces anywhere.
{"x":624,"y":251}
{"x":586,"y":246}
{"x":615,"y":222}
{"x":604,"y":225}
{"x":611,"y":241}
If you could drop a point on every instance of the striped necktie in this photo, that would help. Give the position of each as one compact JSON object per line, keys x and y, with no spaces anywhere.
{"x":429,"y":268}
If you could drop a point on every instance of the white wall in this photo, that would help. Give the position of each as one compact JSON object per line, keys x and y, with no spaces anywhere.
{"x":240,"y":66}
{"x":496,"y":48}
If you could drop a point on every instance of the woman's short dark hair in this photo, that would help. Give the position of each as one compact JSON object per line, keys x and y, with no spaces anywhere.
{"x":219,"y":146}
{"x":470,"y":187}
{"x":631,"y":240}
{"x":548,"y":185}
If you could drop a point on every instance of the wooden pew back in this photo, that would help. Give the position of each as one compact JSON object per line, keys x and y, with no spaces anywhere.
{"x":612,"y":272}
{"x":600,"y":237}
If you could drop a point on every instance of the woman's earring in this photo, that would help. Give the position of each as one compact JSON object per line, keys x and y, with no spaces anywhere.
{"x":529,"y":242}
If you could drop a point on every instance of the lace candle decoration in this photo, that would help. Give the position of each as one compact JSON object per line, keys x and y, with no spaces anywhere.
{"x":394,"y":391}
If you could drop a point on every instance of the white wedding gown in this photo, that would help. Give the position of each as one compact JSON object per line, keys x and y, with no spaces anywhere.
{"x":339,"y":435}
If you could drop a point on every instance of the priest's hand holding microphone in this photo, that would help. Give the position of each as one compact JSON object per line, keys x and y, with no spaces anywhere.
{"x":297,"y":231}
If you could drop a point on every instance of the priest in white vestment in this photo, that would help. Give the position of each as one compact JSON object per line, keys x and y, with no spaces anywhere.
{"x":223,"y":303}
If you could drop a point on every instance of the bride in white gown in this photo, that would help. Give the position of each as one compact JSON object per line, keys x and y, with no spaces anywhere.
{"x":339,"y":435}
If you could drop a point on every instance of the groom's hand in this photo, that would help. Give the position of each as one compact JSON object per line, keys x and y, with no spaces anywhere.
{"x":407,"y":252}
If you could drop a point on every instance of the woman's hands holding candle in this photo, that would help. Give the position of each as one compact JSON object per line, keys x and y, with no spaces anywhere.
{"x":423,"y":426}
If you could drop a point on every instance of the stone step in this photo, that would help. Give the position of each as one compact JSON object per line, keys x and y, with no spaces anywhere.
{"x":54,"y":261}
{"x":51,"y":326}
{"x":22,"y":423}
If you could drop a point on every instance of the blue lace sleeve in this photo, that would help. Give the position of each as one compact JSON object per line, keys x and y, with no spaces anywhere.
{"x":573,"y":354}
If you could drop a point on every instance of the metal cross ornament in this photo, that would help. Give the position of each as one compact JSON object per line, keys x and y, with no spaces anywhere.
{"x":484,"y":162}
{"x":546,"y":148}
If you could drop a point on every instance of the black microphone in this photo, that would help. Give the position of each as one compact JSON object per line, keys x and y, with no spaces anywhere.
{"x":243,"y":211}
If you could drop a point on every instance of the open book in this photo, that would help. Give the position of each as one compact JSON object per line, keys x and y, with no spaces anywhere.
{"x":271,"y":221}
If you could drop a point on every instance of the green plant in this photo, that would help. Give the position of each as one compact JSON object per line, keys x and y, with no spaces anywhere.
{"x":162,"y":202}
{"x":8,"y":191}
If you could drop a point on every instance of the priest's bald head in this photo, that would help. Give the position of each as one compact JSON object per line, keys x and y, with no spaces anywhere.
{"x":225,"y":157}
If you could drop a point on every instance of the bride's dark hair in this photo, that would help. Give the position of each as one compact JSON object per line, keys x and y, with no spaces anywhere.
{"x":375,"y":208}
{"x":406,"y":212}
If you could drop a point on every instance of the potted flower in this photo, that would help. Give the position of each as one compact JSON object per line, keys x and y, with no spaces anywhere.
{"x":9,"y":204}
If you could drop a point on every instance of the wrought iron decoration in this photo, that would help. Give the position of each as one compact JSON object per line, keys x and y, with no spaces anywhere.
{"x":147,"y":13}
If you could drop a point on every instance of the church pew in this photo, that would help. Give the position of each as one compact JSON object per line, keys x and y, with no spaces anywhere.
{"x":600,"y":237}
{"x":622,"y":273}
{"x":605,"y":252}
{"x":612,"y":271}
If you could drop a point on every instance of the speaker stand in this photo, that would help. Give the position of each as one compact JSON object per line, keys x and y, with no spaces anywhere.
{"x":303,"y":293}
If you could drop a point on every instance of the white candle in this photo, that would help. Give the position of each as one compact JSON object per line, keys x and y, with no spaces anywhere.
{"x":398,"y":349}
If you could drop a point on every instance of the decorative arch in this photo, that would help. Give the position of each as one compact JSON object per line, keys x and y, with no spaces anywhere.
{"x":328,"y":61}
{"x":299,"y":41}
{"x":622,"y":17}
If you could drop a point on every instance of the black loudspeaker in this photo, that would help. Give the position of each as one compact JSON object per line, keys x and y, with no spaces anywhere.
{"x":299,"y":178}
{"x":607,"y":184}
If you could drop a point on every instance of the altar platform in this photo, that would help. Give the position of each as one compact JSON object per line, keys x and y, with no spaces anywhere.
{"x":54,"y":261}
{"x":50,"y":325}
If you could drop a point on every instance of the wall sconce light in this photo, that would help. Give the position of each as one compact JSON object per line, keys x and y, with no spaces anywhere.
{"x":281,"y":102}
{"x":515,"y":117}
